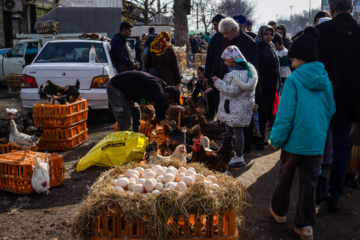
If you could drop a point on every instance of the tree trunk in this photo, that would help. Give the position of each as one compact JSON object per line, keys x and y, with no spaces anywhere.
{"x":181,"y":24}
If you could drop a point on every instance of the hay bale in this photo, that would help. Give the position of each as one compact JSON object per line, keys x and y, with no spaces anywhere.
{"x":199,"y":199}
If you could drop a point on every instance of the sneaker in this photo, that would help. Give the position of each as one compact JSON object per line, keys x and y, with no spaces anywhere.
{"x":237,"y":165}
{"x":276,"y":217}
{"x":236,"y":161}
{"x":305,"y":233}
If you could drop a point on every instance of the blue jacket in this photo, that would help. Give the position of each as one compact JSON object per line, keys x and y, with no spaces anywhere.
{"x":305,"y":110}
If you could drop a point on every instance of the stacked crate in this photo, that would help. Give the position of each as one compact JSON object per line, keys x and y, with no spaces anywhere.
{"x":15,"y":175}
{"x":64,"y":125}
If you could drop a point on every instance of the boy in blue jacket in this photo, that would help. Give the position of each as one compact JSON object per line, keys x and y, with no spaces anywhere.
{"x":300,"y":128}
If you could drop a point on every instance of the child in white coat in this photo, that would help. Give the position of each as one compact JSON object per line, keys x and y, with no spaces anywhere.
{"x":237,"y":99}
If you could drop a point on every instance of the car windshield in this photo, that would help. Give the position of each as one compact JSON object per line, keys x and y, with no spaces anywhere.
{"x":71,"y":52}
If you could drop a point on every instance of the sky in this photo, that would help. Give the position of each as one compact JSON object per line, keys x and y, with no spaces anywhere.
{"x":267,"y":9}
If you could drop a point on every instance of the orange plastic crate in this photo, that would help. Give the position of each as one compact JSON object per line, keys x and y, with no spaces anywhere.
{"x":6,"y":148}
{"x":58,"y":110}
{"x":60,"y":121}
{"x":56,"y":134}
{"x":144,"y":129}
{"x":112,"y":225}
{"x":16,"y":176}
{"x":62,"y":144}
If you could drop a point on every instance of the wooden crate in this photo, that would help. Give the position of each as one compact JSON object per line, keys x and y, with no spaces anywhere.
{"x":62,"y":144}
{"x":15,"y":176}
{"x":112,"y":225}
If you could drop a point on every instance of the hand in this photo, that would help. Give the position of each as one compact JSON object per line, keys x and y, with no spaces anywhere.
{"x":173,"y":108}
{"x":207,"y":91}
{"x":136,"y":65}
{"x":205,"y":83}
{"x":214,"y":78}
{"x":276,"y":148}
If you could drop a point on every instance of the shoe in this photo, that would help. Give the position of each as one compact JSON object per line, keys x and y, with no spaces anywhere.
{"x":333,"y":207}
{"x":236,"y":161}
{"x":260,"y":145}
{"x":322,"y":196}
{"x":352,"y":182}
{"x":237,"y":165}
{"x":276,"y":217}
{"x":306,"y":233}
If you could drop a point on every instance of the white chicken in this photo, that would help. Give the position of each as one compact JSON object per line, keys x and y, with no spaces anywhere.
{"x":179,"y":154}
{"x":153,"y":157}
{"x":23,"y":140}
{"x":40,"y":180}
{"x":205,"y":142}
{"x":11,"y":111}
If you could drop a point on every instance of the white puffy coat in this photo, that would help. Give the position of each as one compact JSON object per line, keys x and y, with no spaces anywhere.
{"x":238,"y":89}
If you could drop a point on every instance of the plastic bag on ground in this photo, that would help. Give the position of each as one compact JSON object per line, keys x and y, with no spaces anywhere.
{"x":115,"y":149}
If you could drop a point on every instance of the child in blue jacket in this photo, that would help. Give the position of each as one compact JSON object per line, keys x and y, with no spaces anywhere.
{"x":300,"y":128}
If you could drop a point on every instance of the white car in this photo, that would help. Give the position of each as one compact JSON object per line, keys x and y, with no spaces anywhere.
{"x":65,"y":61}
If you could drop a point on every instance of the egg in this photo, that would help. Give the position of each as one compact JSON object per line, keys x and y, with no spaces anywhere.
{"x":141,"y":181}
{"x":182,"y":170}
{"x":165,"y":189}
{"x":130,"y":186}
{"x":188,"y":180}
{"x":154,"y":181}
{"x":139,"y":169}
{"x":159,"y":171}
{"x":164,"y":168}
{"x":138,"y":188}
{"x":123,"y":182}
{"x":179,"y":177}
{"x":118,"y":188}
{"x":149,"y":185}
{"x":132,"y":180}
{"x":169,"y":177}
{"x":127,"y":173}
{"x":171,"y":185}
{"x":160,"y":179}
{"x":211,"y":178}
{"x":155,"y":192}
{"x":158,"y":166}
{"x":190,"y":173}
{"x":170,"y":170}
{"x":214,"y":185}
{"x":114,"y":183}
{"x":199,"y":177}
{"x":150,"y":175}
{"x":147,"y":171}
{"x":182,"y":186}
{"x":208,"y":182}
{"x":120,"y":176}
{"x":135,"y":177}
{"x":173,"y":168}
{"x":133,"y":172}
{"x":192,"y":169}
{"x":159,"y":186}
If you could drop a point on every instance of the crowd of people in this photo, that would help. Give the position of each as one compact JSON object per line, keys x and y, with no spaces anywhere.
{"x":314,"y":74}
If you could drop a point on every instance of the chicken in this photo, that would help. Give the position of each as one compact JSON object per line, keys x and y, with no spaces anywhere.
{"x":42,"y":93}
{"x":205,"y":142}
{"x":188,"y":121}
{"x":171,"y":131}
{"x":192,"y":107}
{"x":61,"y":94}
{"x":53,"y":89}
{"x":40,"y":180}
{"x":168,"y":147}
{"x":147,"y":112}
{"x":22,"y":140}
{"x":217,"y":160}
{"x":11,"y":111}
{"x":212,"y":130}
{"x":153,"y":157}
{"x":58,"y":99}
{"x":72,"y":92}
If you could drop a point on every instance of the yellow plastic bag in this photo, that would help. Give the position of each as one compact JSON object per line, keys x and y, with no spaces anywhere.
{"x":115,"y":149}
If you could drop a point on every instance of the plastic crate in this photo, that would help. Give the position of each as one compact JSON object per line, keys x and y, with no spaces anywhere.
{"x":146,"y":129}
{"x":7,"y":147}
{"x":48,"y":109}
{"x":112,"y":225}
{"x":57,"y":134}
{"x":67,"y":121}
{"x":15,"y":176}
{"x":62,"y":144}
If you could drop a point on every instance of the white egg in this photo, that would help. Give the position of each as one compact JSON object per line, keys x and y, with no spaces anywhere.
{"x":150,"y":175}
{"x":130,"y":186}
{"x":164,"y":168}
{"x":211,"y":178}
{"x":188,"y":180}
{"x":179,"y":177}
{"x":189,"y":173}
{"x":180,"y":193}
{"x":141,"y":181}
{"x":155,"y":192}
{"x":158,"y":166}
{"x":159,"y":186}
{"x":165,"y":189}
{"x":208,"y":182}
{"x":214,"y":185}
{"x":114,"y":183}
{"x":159,"y":171}
{"x":173,"y":168}
{"x":149,"y":185}
{"x":139,"y":169}
{"x":154,"y":181}
{"x":132,"y":172}
{"x":138,"y":188}
{"x":120,"y":176}
{"x":127,"y":173}
{"x":192,"y":169}
{"x":199,"y":177}
{"x":132,"y":180}
{"x":182,"y":170}
{"x":170,"y":185}
{"x":135,"y":177}
{"x":160,"y":179}
{"x":169,"y":177}
{"x":147,"y":171}
{"x":118,"y":188}
{"x":170,"y":170}
{"x":123,"y":182}
{"x":182,"y":186}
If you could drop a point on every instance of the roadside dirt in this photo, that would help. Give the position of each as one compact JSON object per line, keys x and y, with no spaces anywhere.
{"x":50,"y":216}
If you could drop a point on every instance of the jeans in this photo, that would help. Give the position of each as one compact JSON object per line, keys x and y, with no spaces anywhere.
{"x":308,"y":172}
{"x":341,"y":143}
{"x":239,"y":138}
{"x":127,"y":113}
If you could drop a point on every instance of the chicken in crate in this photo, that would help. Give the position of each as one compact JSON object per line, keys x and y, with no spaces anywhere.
{"x":37,"y":173}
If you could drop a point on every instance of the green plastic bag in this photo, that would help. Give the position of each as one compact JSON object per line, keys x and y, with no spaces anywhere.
{"x":115,"y":149}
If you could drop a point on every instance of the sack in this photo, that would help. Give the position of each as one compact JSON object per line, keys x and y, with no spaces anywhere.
{"x":276,"y":104}
{"x":115,"y":149}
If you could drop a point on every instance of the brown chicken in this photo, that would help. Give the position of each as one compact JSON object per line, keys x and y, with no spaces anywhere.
{"x":217,"y":160}
{"x":168,"y":147}
{"x":191,"y":107}
{"x":147,"y":112}
{"x":212,"y":130}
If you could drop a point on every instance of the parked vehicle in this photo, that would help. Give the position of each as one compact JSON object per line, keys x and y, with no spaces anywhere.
{"x":65,"y":61}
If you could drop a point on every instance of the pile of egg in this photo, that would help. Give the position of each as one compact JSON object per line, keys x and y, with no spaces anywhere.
{"x":158,"y":178}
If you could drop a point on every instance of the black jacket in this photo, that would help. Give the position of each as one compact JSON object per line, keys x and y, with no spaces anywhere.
{"x":213,"y":57}
{"x":339,"y":50}
{"x":267,"y":71}
{"x":142,"y":87}
{"x":119,"y":53}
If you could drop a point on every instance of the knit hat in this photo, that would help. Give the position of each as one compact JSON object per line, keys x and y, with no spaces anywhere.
{"x":305,"y":46}
{"x":233,"y":54}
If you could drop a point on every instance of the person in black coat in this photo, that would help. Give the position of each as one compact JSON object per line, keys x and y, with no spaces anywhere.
{"x":339,"y":50}
{"x":269,"y":79}
{"x":194,"y":44}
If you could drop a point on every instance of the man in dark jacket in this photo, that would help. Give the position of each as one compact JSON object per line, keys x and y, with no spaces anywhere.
{"x":339,"y":49}
{"x":121,"y":51}
{"x":233,"y":35}
{"x":124,"y":94}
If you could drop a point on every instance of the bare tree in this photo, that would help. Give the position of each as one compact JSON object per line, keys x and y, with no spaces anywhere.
{"x":203,"y":12}
{"x":181,"y":8}
{"x":298,"y":22}
{"x":236,"y":7}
